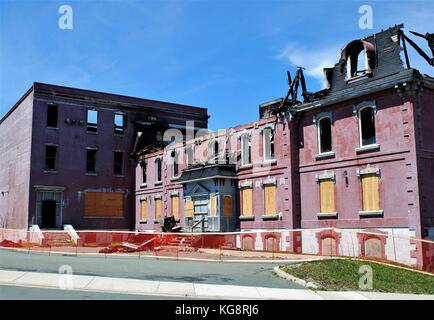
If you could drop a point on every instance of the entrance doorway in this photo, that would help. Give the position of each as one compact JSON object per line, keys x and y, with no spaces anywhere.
{"x":48,"y":214}
{"x":49,"y":208}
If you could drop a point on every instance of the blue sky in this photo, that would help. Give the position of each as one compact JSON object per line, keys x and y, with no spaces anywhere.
{"x":227,"y":56}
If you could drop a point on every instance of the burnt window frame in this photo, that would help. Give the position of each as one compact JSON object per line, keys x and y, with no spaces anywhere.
{"x":56,"y":154}
{"x":119,"y":130}
{"x":92,"y":127}
{"x":115,"y":163}
{"x":95,"y":150}
{"x":55,"y":123}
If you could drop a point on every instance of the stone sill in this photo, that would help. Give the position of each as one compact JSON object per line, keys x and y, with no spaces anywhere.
{"x":270,"y":216}
{"x":143,"y":221}
{"x":268,"y":162}
{"x":371,"y":213}
{"x":144,"y":185}
{"x":327,"y":214}
{"x":156,"y":222}
{"x":371,"y":147}
{"x":158,"y":183}
{"x":325,"y":155}
{"x":246,"y":166}
{"x":247,"y":218}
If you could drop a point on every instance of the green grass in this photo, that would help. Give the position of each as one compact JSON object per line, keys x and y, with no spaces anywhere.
{"x":343,"y":275}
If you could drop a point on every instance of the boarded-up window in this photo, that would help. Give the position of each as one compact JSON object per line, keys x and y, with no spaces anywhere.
{"x":271,"y":244}
{"x":371,"y":192}
{"x":270,"y":199}
{"x":213,"y":206}
{"x":373,"y":248}
{"x":158,"y":208}
{"x":188,"y":207}
{"x":328,"y":245}
{"x":327,"y":196}
{"x":175,"y":207}
{"x":227,"y":206}
{"x":143,"y":210}
{"x":247,"y":196}
{"x":248,"y":243}
{"x":104,"y":204}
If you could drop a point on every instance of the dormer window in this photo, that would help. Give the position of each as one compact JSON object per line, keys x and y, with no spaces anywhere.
{"x":359,"y":56}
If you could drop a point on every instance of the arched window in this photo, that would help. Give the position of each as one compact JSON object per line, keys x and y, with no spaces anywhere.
{"x":325,"y":135}
{"x":367,"y":126}
{"x":360,"y":58}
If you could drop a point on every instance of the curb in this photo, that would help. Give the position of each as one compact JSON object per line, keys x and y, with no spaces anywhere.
{"x":287,"y":276}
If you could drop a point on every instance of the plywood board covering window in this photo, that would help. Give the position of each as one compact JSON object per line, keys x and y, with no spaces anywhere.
{"x":188,"y":207}
{"x":371,"y":192}
{"x":143,"y":208}
{"x":247,"y":195}
{"x":227,"y":206}
{"x":270,"y":199}
{"x":213,"y":206}
{"x":327,"y":196}
{"x":175,"y":207}
{"x":158,"y":208}
{"x":104,"y":204}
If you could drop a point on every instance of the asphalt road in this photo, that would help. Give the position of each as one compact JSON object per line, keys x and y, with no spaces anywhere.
{"x":244,"y":274}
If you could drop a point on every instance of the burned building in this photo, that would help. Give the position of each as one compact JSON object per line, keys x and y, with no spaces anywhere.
{"x":357,"y":155}
{"x":66,"y":155}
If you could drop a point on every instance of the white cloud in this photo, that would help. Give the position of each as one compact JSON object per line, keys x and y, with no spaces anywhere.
{"x":312,"y":59}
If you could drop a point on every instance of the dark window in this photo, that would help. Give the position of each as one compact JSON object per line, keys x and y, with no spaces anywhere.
{"x":158,"y":169}
{"x":52,"y":115}
{"x":175,"y":166}
{"x":119,"y":123}
{"x":92,"y":120}
{"x":118,"y":163}
{"x":50,"y":157}
{"x":367,"y":124}
{"x":269,"y":143}
{"x":325,"y":135}
{"x":91,"y":160}
{"x":143,"y":169}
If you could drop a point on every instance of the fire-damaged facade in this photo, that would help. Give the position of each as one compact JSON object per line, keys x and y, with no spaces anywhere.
{"x":66,"y":155}
{"x":357,"y":155}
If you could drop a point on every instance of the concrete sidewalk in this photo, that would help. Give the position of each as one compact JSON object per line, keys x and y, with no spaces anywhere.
{"x":182,"y":289}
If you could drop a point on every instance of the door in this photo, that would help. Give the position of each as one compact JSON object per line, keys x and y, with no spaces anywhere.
{"x":200,"y":219}
{"x":48,"y":214}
